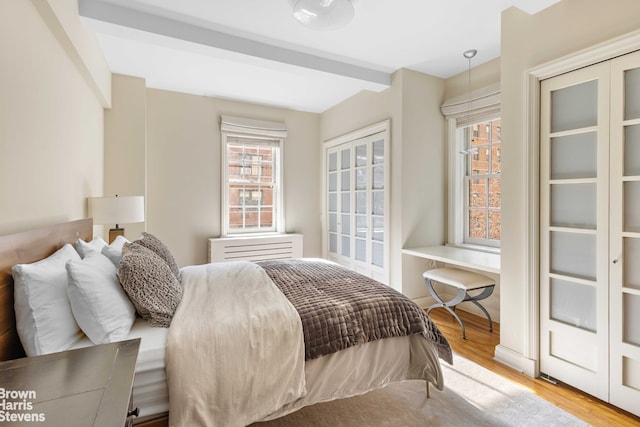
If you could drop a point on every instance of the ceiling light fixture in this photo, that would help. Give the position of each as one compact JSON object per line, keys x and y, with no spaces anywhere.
{"x":324,"y":15}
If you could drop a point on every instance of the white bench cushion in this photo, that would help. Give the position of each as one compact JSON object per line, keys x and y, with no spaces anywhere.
{"x":461,"y":279}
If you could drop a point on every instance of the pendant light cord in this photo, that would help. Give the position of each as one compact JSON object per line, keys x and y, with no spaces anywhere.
{"x":469,"y":54}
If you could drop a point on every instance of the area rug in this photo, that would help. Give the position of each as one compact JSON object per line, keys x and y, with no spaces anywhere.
{"x":474,"y":396}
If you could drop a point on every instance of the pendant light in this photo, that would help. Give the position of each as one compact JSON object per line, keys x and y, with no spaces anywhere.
{"x":469,"y":54}
{"x":324,"y":15}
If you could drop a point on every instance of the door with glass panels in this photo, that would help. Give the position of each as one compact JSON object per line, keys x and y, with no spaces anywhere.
{"x":574,"y":220}
{"x":625,"y":233}
{"x":357,"y":204}
{"x":590,"y":230}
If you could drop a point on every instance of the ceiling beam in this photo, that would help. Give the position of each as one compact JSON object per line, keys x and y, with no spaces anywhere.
{"x":176,"y":29}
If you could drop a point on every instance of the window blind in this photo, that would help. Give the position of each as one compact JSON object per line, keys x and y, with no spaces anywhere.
{"x":258,"y":128}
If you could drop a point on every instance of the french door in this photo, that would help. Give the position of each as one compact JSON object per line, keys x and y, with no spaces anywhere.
{"x":357,"y":203}
{"x":574,"y":193}
{"x":625,"y":235}
{"x":590,"y":230}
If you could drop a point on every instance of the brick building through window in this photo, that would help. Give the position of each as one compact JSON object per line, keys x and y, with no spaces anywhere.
{"x":483,"y":182}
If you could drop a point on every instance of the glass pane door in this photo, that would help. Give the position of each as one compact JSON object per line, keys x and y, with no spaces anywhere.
{"x":357,"y":204}
{"x":345,"y":202}
{"x":625,"y":232}
{"x":574,"y":229}
{"x":332,"y":201}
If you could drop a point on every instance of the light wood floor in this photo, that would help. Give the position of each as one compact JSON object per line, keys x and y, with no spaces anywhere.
{"x":479,"y":347}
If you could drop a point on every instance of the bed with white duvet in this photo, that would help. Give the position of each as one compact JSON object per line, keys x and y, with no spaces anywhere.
{"x":228,"y":343}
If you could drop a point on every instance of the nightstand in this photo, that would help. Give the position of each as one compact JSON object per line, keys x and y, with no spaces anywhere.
{"x":90,"y":386}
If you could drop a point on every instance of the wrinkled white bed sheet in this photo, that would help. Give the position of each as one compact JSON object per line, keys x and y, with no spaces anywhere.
{"x":235,"y":349}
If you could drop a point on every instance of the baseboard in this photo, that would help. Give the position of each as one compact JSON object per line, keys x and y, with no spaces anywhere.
{"x":424,"y":302}
{"x":516,"y":361}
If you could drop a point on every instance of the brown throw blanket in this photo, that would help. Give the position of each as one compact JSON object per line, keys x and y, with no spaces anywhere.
{"x":340,"y":308}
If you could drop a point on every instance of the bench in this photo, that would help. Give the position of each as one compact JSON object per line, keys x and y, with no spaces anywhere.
{"x":463,"y":282}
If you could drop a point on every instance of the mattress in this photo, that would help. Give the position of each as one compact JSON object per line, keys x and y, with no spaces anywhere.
{"x":150,"y":392}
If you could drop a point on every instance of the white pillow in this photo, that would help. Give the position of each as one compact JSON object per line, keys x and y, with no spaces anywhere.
{"x":95,"y":245}
{"x":44,"y":319}
{"x":98,"y":302}
{"x":114,"y":250}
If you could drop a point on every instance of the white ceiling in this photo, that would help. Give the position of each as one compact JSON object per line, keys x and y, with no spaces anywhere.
{"x":255,"y":51}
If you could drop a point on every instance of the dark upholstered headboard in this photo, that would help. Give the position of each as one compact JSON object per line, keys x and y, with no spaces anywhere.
{"x":27,"y":247}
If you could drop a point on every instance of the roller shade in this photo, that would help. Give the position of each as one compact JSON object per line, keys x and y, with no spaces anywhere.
{"x":246,"y":126}
{"x":484,"y":105}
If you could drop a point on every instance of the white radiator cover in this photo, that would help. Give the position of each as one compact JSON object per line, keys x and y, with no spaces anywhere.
{"x":255,"y":248}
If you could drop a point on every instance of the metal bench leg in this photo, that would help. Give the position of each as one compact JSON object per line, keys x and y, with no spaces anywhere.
{"x":447,"y":305}
{"x":486,"y":292}
{"x":486,"y":313}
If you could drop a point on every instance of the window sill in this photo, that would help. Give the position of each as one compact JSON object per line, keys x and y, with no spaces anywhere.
{"x":253,"y":234}
{"x":477,"y":248}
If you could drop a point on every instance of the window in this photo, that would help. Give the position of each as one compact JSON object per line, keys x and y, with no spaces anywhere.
{"x":252,"y":175}
{"x":481,"y":184}
{"x":474,"y":168}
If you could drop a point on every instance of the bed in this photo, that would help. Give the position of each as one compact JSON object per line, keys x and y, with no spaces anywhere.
{"x":350,"y":371}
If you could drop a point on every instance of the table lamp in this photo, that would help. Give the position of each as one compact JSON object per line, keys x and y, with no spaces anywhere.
{"x":116,"y":210}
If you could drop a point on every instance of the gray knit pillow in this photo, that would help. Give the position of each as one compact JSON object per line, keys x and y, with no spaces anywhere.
{"x":151,"y":286}
{"x":150,"y":241}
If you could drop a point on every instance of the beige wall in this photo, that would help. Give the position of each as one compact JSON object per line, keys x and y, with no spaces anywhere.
{"x":482,"y":75}
{"x":418,"y":197}
{"x":81,"y":45}
{"x":125,"y":144}
{"x":528,"y":41}
{"x":183,"y":170}
{"x":51,"y":122}
{"x":422,"y":169}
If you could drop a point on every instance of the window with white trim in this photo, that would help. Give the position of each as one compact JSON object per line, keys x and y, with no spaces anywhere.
{"x":252,"y":176}
{"x":474,"y":169}
{"x":481,"y":183}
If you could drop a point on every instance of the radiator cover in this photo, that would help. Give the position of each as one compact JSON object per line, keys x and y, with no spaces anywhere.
{"x":255,"y":248}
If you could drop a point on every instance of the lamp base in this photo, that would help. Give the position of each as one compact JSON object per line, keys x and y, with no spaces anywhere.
{"x":115,"y":232}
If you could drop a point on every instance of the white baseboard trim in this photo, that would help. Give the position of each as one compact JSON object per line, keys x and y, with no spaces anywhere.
{"x":530,"y":367}
{"x":424,"y":302}
{"x":515,"y":360}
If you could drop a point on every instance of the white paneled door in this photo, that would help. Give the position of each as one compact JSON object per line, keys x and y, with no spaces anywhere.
{"x":574,"y":191}
{"x":590,"y":230}
{"x":624,"y":286}
{"x":357,"y":195}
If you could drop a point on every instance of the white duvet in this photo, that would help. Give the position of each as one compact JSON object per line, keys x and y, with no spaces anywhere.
{"x":235,"y":350}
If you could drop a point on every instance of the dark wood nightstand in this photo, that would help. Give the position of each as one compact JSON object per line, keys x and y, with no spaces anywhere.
{"x":85,"y":387}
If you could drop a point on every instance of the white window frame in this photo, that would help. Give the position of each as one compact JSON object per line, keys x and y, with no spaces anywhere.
{"x":263,"y":132}
{"x":461,"y":113}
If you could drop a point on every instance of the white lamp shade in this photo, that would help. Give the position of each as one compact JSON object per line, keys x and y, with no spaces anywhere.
{"x":116,"y":210}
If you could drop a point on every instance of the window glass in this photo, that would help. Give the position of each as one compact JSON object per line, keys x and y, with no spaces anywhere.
{"x":251,"y":184}
{"x":482,"y":184}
